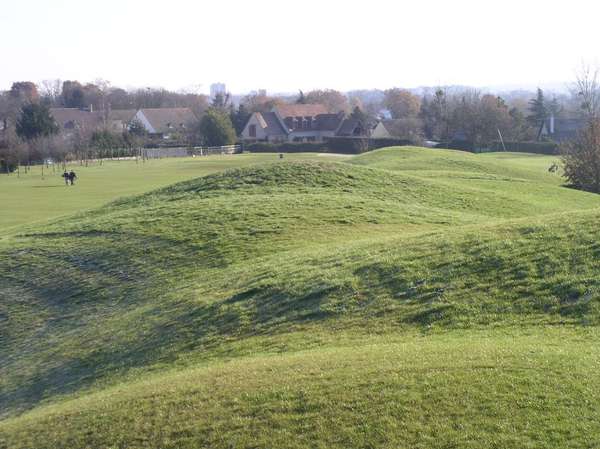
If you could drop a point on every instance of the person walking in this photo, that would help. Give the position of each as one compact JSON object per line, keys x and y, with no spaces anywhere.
{"x":66,"y":176}
{"x":72,"y":177}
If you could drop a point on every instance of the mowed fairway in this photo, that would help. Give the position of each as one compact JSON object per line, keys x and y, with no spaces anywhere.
{"x":404,"y":298}
{"x":29,"y":198}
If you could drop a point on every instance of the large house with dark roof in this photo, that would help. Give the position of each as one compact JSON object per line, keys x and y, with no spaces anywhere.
{"x":299,"y":123}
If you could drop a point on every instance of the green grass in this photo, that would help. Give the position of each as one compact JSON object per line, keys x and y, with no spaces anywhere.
{"x":402,"y":298}
{"x":30,"y":198}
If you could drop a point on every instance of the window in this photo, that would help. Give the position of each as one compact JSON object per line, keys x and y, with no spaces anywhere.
{"x":252,"y":130}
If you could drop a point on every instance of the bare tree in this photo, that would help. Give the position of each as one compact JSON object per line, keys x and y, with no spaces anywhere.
{"x":50,"y":91}
{"x":587,"y":89}
{"x":581,"y":157}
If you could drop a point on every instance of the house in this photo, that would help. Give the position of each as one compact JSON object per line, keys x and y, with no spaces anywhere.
{"x":165,"y":122}
{"x":561,"y":129}
{"x":299,"y":123}
{"x":407,"y":128}
{"x":118,"y":120}
{"x":352,"y":127}
{"x":73,"y":120}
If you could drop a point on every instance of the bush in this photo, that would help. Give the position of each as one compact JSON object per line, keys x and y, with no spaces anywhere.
{"x":550,"y":148}
{"x":7,"y":166}
{"x":463,"y":145}
{"x":357,"y":145}
{"x":286,"y":147}
{"x":581,"y":159}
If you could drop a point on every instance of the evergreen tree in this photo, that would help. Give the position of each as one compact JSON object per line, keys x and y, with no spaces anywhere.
{"x":137,"y":128}
{"x":538,"y":111}
{"x":221,"y":101}
{"x":301,"y":98}
{"x":554,"y":107}
{"x":35,"y":122}
{"x":360,"y":115}
{"x":239,"y":117}
{"x":216,"y":128}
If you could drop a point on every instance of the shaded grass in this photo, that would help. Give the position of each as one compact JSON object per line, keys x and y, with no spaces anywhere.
{"x":453,"y":390}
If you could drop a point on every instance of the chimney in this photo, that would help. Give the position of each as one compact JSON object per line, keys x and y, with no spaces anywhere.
{"x":91,"y":107}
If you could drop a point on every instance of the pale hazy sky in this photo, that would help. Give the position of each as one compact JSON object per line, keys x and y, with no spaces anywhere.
{"x":298,"y":44}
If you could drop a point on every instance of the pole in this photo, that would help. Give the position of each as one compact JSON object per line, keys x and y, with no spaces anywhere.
{"x":501,"y":139}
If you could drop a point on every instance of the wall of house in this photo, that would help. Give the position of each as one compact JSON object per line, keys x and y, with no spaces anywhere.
{"x":379,"y":132}
{"x":144,"y":121}
{"x":260,"y":132}
{"x":317,"y":135}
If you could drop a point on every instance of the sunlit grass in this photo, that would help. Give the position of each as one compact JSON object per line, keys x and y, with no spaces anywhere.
{"x":410,"y":298}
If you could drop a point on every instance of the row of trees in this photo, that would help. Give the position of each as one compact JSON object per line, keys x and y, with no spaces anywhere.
{"x":443,"y":115}
{"x":30,"y":134}
{"x":440,"y":115}
{"x":99,"y":95}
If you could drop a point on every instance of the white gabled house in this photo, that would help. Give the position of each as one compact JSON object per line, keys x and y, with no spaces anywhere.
{"x":164,"y":122}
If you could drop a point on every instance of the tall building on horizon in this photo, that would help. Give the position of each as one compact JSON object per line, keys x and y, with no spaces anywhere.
{"x":217,"y":88}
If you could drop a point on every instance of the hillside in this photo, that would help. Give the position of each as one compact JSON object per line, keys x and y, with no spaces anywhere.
{"x":404,"y":298}
{"x":37,"y":196}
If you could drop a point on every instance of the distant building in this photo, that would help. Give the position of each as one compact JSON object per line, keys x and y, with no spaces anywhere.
{"x":561,"y":129}
{"x":217,"y":89}
{"x":160,"y":122}
{"x":71,"y":121}
{"x":165,"y":122}
{"x":300,"y":123}
{"x":118,"y":120}
{"x":397,"y":128}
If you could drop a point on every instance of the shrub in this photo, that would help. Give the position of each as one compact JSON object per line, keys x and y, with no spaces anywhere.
{"x":581,"y":159}
{"x":286,"y":147}
{"x":550,"y":148}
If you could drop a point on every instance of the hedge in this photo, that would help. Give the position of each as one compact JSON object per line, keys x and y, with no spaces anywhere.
{"x":550,"y":148}
{"x":346,"y":145}
{"x":286,"y":147}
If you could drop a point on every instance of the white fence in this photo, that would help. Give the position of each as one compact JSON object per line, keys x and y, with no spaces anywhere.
{"x":159,"y":153}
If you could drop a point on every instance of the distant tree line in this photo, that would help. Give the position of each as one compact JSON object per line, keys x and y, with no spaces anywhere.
{"x":28,"y":133}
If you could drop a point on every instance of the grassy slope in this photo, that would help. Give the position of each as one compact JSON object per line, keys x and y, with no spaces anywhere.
{"x":29,"y":198}
{"x":436,"y":298}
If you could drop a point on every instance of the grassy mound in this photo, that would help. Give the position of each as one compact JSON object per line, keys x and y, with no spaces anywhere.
{"x":354,"y":260}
